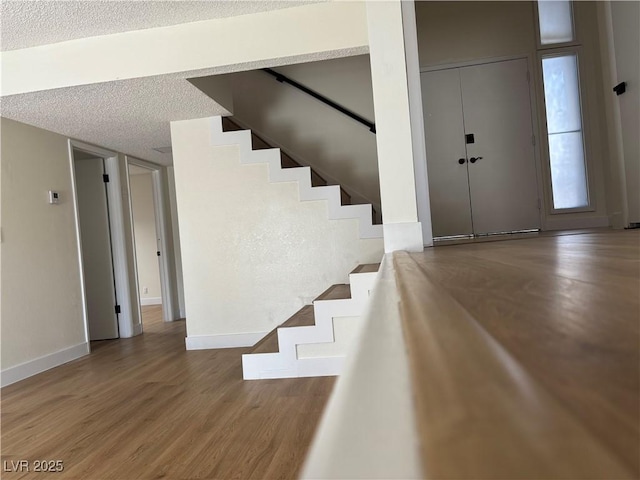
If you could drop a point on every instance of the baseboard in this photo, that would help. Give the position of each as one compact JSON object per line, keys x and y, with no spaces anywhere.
{"x":151,"y":301}
{"x":137,"y":329}
{"x":576,"y":223}
{"x":233,"y":340}
{"x":403,"y":236}
{"x":33,"y":367}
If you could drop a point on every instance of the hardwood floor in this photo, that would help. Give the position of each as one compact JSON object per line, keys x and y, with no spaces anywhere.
{"x":526,"y":356}
{"x":144,"y":408}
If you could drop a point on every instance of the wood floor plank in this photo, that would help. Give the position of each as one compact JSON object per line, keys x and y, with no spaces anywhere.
{"x":567,"y":309}
{"x":143,"y":408}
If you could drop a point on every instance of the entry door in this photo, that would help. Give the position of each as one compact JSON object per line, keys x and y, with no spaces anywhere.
{"x":97,"y":260}
{"x":446,"y":153}
{"x":483,"y":145}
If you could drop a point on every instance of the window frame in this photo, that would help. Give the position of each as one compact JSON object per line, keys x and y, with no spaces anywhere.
{"x":547,"y":46}
{"x":560,"y":52}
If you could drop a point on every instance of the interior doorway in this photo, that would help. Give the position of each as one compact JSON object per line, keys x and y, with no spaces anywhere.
{"x":480,"y":149}
{"x":147,"y":241}
{"x":96,"y":244}
{"x":155,"y":271}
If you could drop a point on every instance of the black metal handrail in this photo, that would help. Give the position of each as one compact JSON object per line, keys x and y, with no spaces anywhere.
{"x":284,"y":79}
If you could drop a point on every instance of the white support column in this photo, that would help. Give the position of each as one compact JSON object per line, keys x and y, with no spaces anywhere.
{"x":417,"y":119}
{"x":391,"y":99}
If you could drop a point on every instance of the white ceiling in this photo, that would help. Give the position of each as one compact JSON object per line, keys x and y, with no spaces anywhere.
{"x":28,"y":23}
{"x":128,"y":116}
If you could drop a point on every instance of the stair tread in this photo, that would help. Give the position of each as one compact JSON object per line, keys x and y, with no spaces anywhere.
{"x":302,"y":318}
{"x":268,"y":344}
{"x":336,"y":292}
{"x":367,"y":268}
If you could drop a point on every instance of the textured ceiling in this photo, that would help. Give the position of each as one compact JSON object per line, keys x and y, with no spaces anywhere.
{"x":28,"y":23}
{"x":128,"y":116}
{"x":131,"y":116}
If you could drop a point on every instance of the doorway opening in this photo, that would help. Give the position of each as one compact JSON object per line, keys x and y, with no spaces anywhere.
{"x":96,"y":242}
{"x":100,"y":236}
{"x":152,"y":243}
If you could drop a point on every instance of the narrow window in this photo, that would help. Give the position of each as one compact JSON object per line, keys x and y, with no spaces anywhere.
{"x":556,"y":22}
{"x":564,"y":129}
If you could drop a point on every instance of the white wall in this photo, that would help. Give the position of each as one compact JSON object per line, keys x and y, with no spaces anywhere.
{"x":42,"y":306}
{"x":452,"y":32}
{"x":625,"y":18}
{"x":144,"y":226}
{"x":252,"y":253}
{"x":313,"y":133}
{"x":42,"y":311}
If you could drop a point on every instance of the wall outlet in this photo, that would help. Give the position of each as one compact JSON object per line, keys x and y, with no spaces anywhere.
{"x":145,"y":290}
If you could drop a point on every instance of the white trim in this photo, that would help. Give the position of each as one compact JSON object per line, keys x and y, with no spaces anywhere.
{"x":471,"y":63}
{"x":371,"y":400}
{"x":33,"y":367}
{"x":116,"y":224}
{"x":576,"y":223}
{"x":414,"y":86}
{"x":76,"y":218}
{"x":151,"y":301}
{"x":402,"y":236}
{"x":231,"y":340}
{"x":118,"y":246}
{"x":302,"y":367}
{"x":137,"y":329}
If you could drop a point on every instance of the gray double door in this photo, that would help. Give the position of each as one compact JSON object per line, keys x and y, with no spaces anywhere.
{"x":480,"y":152}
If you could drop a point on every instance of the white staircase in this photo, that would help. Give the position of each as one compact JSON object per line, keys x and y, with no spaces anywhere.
{"x":302,"y":175}
{"x":330,"y":345}
{"x":315,"y":341}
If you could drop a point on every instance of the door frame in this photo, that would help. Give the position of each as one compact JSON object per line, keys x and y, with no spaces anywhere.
{"x":118,"y":243}
{"x":535,"y":126}
{"x":167,"y":275}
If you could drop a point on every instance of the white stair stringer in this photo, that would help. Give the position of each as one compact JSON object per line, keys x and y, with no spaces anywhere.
{"x":302,"y":175}
{"x":286,"y":363}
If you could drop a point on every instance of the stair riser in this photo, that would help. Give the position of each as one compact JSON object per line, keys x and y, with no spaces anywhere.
{"x":331,"y":194}
{"x":308,"y":367}
{"x":286,"y":363}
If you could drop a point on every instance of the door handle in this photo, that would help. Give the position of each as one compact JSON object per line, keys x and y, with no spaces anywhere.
{"x":461,"y":161}
{"x":475,"y":159}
